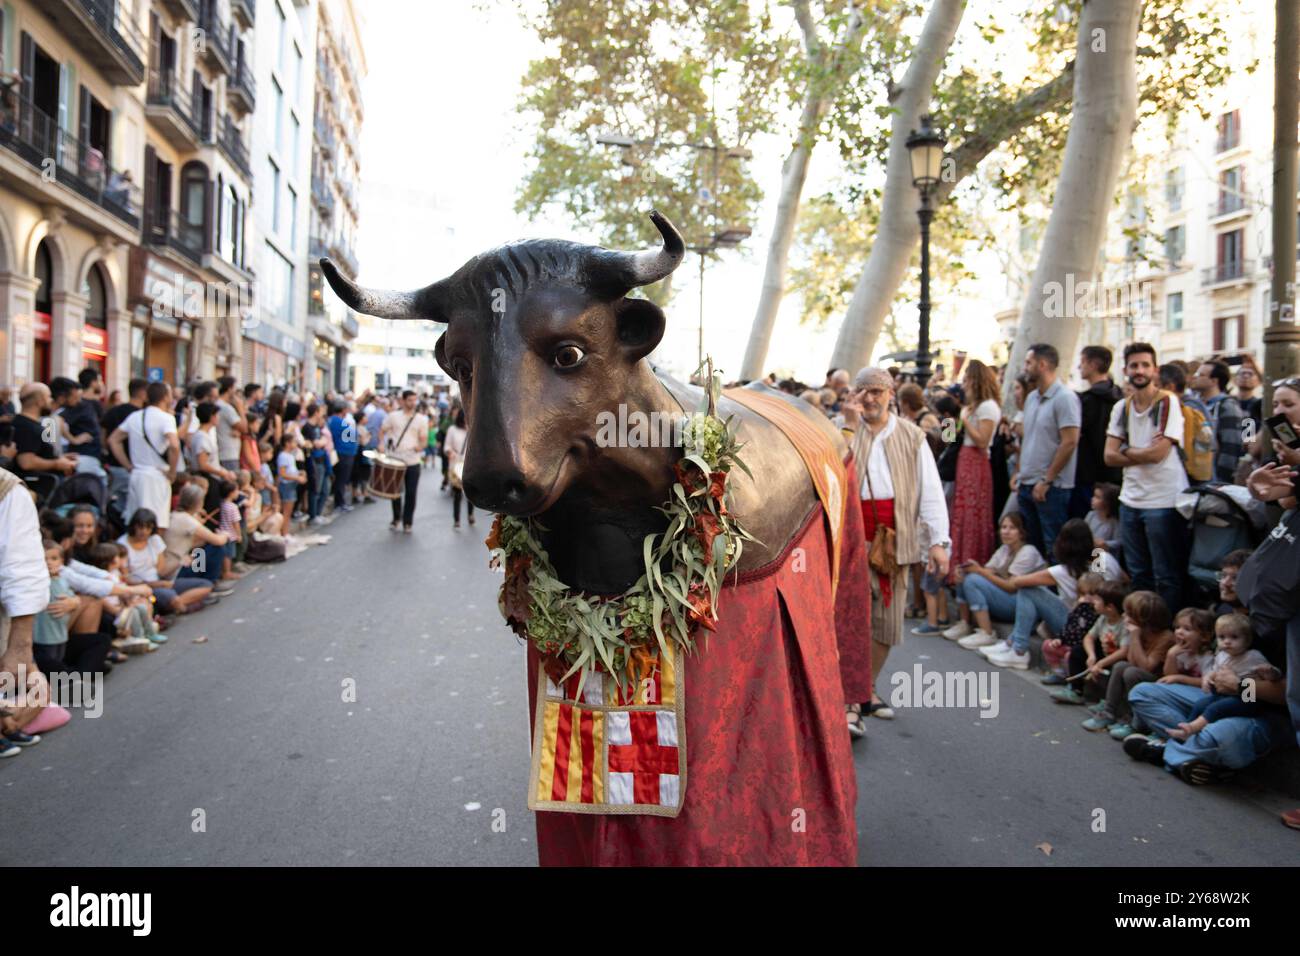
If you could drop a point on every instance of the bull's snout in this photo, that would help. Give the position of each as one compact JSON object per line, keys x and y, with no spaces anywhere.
{"x":505,"y":491}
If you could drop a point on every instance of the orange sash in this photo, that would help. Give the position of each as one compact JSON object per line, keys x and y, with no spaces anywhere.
{"x":824,"y":464}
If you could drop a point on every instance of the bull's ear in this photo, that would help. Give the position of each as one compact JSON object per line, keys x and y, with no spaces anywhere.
{"x":440,"y":353}
{"x":640,"y":327}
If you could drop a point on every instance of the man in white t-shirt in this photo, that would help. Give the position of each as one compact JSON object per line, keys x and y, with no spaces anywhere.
{"x":1143,"y":438}
{"x":150,"y":437}
{"x":405,"y":436}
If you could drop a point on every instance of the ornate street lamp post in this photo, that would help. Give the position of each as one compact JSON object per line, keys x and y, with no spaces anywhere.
{"x":925,"y":148}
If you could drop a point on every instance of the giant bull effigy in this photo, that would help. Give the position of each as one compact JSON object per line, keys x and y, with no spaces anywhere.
{"x":696,"y":609}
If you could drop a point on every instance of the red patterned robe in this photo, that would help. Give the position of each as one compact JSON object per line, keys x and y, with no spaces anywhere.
{"x":770,"y":777}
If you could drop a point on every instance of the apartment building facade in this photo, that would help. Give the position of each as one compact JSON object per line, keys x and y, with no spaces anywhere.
{"x":276,"y":349}
{"x":335,"y":190}
{"x":1187,"y":264}
{"x":71,"y":160}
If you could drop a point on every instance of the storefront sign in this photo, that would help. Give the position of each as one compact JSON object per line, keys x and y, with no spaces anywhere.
{"x":155,"y":373}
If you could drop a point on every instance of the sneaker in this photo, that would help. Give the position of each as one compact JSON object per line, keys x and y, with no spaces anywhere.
{"x":928,"y":629}
{"x":1142,"y":747}
{"x":211,"y":599}
{"x":9,"y":750}
{"x":1097,"y":708}
{"x":22,"y":739}
{"x":976,"y":640}
{"x":1066,"y":695}
{"x":223,"y":587}
{"x":346,"y":509}
{"x":1097,"y":722}
{"x":1052,"y":680}
{"x":1292,"y":819}
{"x":1010,"y":658}
{"x":960,"y":629}
{"x":137,"y":645}
{"x":1198,"y":773}
{"x":999,"y":647}
{"x":1121,"y":730}
{"x":159,"y":638}
{"x":240,"y":567}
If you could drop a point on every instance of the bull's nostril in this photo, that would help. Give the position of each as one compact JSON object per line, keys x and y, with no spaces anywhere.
{"x":514,"y":491}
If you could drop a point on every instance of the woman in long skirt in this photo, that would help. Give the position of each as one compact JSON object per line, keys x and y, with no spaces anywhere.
{"x":973,"y":520}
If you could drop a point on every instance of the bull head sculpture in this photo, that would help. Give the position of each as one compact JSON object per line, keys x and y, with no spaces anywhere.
{"x":541,"y":337}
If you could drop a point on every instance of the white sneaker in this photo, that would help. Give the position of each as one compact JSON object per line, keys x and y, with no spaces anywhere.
{"x":1011,"y":659}
{"x":977,"y":639}
{"x":988,"y":650}
{"x":960,"y":629}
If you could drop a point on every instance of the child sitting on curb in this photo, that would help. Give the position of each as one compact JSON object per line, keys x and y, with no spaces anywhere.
{"x":1235,"y":654}
{"x":1056,"y":650}
{"x":1192,"y":655}
{"x":1142,"y":659}
{"x":1105,"y":637}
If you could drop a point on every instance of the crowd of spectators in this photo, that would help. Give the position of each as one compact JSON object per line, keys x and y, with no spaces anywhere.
{"x":1099,"y":533}
{"x":156,"y":504}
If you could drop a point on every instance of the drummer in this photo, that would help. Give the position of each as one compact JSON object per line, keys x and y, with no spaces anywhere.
{"x":405,"y":435}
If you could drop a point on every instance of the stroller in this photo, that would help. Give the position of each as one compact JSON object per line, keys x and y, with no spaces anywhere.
{"x":1221,"y":522}
{"x":79,"y":489}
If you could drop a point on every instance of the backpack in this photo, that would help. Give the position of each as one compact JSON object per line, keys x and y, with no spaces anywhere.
{"x":1197,"y":448}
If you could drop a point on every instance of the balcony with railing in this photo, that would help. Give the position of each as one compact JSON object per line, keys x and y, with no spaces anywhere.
{"x":35,"y":136}
{"x":215,"y":45}
{"x":184,"y":9}
{"x":1234,"y":270}
{"x":241,"y":88}
{"x":321,"y":195}
{"x":105,"y":34}
{"x":349,"y":194}
{"x":326,"y":75}
{"x":1227,"y":204}
{"x":341,"y":251}
{"x":324,"y":136}
{"x":231,"y":142}
{"x":170,"y":107}
{"x":243,"y":11}
{"x":169,"y":229}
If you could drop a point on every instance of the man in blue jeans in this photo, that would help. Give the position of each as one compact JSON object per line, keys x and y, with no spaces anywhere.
{"x":1048,"y":451}
{"x":1143,"y":437}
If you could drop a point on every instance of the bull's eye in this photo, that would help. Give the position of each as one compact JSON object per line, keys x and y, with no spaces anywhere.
{"x":568,"y":356}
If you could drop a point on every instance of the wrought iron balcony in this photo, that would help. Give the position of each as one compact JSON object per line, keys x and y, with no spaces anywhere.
{"x":184,"y":9}
{"x":1232,"y":271}
{"x":216,"y":44}
{"x":169,"y":229}
{"x":244,"y":11}
{"x":104,"y":33}
{"x":231,"y":142}
{"x":35,"y":136}
{"x":1227,"y":203}
{"x":341,"y":252}
{"x":321,"y":195}
{"x":241,"y":88}
{"x":169,"y":105}
{"x":324,"y":136}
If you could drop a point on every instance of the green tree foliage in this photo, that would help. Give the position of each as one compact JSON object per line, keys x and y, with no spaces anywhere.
{"x":664,"y":74}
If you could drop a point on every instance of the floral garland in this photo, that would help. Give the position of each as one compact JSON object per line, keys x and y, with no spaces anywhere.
{"x":677,"y":595}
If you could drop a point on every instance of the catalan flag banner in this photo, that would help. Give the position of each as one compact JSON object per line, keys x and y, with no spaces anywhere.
{"x":608,"y":749}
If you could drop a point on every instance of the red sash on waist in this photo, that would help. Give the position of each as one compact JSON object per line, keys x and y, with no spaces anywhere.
{"x":884,"y":510}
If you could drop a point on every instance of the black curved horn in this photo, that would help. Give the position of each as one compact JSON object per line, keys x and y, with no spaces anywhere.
{"x":627,"y":270}
{"x":382,"y":303}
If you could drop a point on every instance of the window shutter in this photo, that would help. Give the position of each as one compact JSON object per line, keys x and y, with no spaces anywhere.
{"x":27,"y":69}
{"x":150,"y":189}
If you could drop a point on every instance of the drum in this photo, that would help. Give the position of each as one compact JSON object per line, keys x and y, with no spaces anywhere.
{"x":387,"y":475}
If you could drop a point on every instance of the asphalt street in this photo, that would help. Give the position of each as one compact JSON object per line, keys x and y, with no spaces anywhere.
{"x":363,"y":704}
